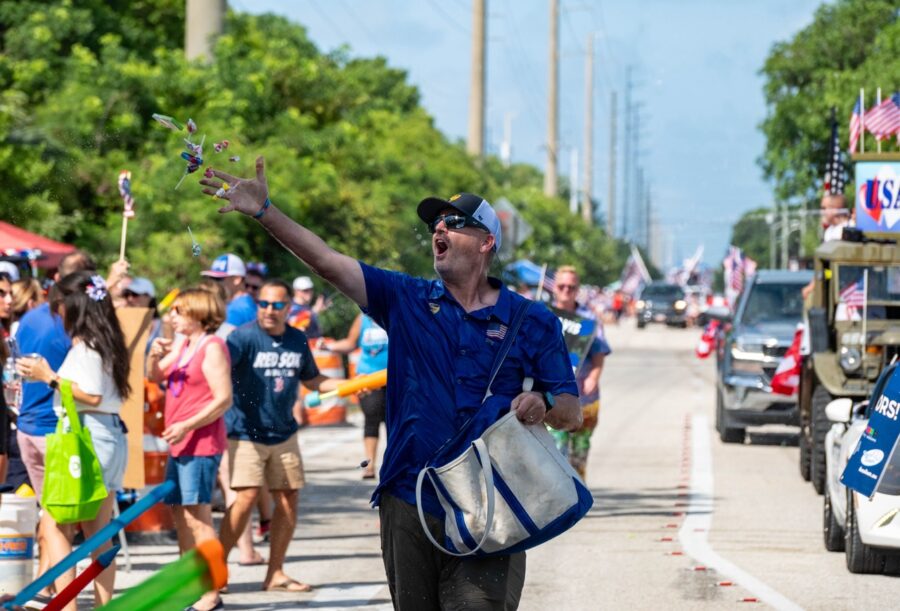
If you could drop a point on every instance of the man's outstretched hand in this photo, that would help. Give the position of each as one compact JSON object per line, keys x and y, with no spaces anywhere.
{"x":246,"y":195}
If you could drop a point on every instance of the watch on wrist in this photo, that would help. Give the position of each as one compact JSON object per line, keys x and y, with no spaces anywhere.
{"x":54,"y":382}
{"x":549,"y":400}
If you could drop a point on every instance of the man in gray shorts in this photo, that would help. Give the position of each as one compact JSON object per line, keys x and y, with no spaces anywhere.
{"x":268,"y":362}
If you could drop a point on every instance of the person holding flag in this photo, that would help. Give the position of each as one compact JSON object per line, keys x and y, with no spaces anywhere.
{"x":576,"y":445}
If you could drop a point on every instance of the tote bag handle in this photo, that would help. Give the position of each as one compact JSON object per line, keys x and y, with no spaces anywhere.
{"x":68,"y":403}
{"x":487,"y":473}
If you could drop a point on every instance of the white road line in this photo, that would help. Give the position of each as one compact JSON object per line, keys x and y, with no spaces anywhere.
{"x":698,"y":520}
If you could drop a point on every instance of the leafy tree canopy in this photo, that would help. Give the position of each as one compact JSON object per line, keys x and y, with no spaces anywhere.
{"x":850,"y":44}
{"x":348,"y":146}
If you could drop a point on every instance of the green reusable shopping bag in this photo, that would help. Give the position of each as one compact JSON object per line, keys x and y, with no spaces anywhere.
{"x":73,"y":481}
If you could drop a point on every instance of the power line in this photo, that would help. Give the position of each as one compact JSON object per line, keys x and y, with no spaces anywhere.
{"x":450,"y":19}
{"x":359,"y":23}
{"x":330,"y":22}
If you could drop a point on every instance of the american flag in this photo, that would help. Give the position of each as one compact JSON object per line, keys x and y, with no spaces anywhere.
{"x":854,"y":295}
{"x":738,"y":267}
{"x":834,"y":170}
{"x":549,"y":284}
{"x":496,"y":331}
{"x":855,"y":126}
{"x":125,"y":192}
{"x":884,"y":120}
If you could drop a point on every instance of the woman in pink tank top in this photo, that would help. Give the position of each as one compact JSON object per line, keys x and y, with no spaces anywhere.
{"x":197,"y":372}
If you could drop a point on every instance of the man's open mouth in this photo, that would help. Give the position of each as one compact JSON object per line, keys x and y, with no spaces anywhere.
{"x":440,"y":246}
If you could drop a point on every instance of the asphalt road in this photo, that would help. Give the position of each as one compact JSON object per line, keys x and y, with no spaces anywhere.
{"x":680,"y":520}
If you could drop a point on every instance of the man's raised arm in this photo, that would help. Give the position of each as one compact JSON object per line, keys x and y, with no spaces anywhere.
{"x":251,"y":197}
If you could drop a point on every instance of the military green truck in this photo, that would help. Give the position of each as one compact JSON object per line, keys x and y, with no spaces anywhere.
{"x":853,"y":318}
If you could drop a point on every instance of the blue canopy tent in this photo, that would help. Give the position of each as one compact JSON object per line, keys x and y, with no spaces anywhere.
{"x":523,"y":271}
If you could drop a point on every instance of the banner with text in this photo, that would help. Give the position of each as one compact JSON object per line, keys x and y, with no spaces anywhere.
{"x":878,"y":195}
{"x":868,"y":466}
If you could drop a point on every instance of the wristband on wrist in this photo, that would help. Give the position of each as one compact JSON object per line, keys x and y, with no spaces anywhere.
{"x":264,"y":208}
{"x":549,"y":401}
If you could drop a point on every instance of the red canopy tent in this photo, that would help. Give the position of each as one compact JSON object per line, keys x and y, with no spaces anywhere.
{"x":17,"y":239}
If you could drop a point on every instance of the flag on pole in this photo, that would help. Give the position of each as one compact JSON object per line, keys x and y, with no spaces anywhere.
{"x":883,"y":121}
{"x":125,"y":192}
{"x":855,"y":125}
{"x":707,"y":341}
{"x":738,"y":267}
{"x":634,"y":273}
{"x":854,"y":295}
{"x":834,"y":169}
{"x":549,"y":283}
{"x":786,"y":379}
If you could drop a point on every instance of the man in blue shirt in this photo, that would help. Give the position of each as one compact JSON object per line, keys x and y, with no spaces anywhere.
{"x":444,"y":336}
{"x":230,"y":270}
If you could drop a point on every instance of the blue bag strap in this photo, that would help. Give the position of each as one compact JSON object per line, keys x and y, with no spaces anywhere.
{"x":518,"y":318}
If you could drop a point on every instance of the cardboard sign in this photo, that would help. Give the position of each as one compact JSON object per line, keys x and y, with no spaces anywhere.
{"x":871,"y":461}
{"x":878,"y":195}
{"x":578,"y":333}
{"x":135,"y":323}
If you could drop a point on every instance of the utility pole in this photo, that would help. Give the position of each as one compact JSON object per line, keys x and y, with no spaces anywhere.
{"x":648,"y":211}
{"x":587,"y":208}
{"x":639,"y":201}
{"x":475,"y":141}
{"x":204,"y":21}
{"x":550,"y":174}
{"x":506,"y":145}
{"x":785,"y":233}
{"x":626,"y":170}
{"x":611,"y":193}
{"x":573,"y":181}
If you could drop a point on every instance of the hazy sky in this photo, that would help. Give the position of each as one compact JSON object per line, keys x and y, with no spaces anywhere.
{"x":696,"y":71}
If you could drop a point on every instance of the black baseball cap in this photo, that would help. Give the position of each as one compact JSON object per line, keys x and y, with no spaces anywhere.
{"x":471,"y":205}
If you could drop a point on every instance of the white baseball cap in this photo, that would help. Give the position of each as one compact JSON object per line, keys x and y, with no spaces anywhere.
{"x":226,"y":265}
{"x":473,"y":206}
{"x":10,"y":269}
{"x":303,"y":283}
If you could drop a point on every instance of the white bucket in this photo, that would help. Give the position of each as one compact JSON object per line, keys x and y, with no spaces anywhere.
{"x":18,"y":520}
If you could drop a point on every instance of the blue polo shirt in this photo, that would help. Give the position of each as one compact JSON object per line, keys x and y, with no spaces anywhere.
{"x":438,"y":368}
{"x":40,"y":331}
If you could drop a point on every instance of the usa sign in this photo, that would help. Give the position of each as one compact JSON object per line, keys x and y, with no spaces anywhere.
{"x":878,"y":195}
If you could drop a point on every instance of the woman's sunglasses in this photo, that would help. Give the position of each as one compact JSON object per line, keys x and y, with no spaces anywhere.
{"x":455,"y":221}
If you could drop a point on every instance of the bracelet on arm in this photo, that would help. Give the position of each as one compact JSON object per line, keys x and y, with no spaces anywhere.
{"x":262,"y":210}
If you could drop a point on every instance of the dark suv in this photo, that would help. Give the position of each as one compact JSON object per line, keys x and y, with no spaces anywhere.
{"x":662,"y":302}
{"x":750,"y":348}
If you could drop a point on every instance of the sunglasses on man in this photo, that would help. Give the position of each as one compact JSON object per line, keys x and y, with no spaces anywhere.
{"x":456,"y":221}
{"x":276,"y":305}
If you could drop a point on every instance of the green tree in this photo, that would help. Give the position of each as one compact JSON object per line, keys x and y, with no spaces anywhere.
{"x":349,"y":148}
{"x":849,"y":44}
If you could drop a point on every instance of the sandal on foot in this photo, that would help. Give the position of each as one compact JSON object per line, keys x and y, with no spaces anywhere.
{"x":289,"y":585}
{"x":258,"y":561}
